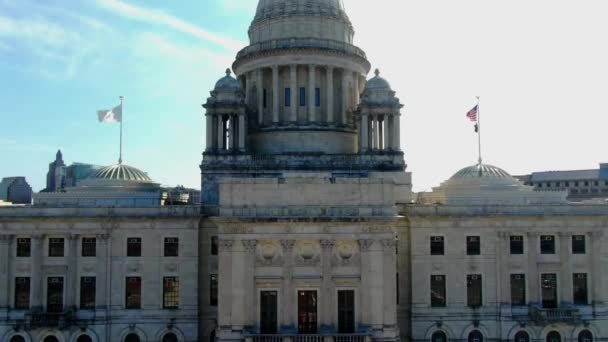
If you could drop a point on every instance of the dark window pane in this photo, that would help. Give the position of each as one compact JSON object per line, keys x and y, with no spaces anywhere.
{"x":346,"y":311}
{"x":22,"y":293}
{"x":474,"y":290}
{"x":547,"y":244}
{"x":132,"y":338}
{"x":307,"y":312}
{"x":56,"y":247}
{"x":87,"y":292}
{"x":473,"y":245}
{"x":287,"y":97}
{"x":213,"y":290}
{"x":268,"y":312}
{"x":54,"y":295}
{"x":318,"y":97}
{"x":437,"y":245}
{"x":89,"y":247}
{"x":133,"y":293}
{"x":578,"y":244}
{"x":439,"y":336}
{"x":554,"y":336}
{"x":17,"y":338}
{"x":171,"y":247}
{"x":438,"y":291}
{"x":585,"y":336}
{"x":50,"y":339}
{"x":549,"y":291}
{"x":475,"y":336}
{"x":517,"y":245}
{"x":518,"y":289}
{"x":580,"y":289}
{"x":134,"y":247}
{"x":171,"y":292}
{"x":522,"y":336}
{"x":84,"y":338}
{"x":24,"y":247}
{"x":302,"y":97}
{"x":214,"y":245}
{"x":170,"y":337}
{"x":264,"y":99}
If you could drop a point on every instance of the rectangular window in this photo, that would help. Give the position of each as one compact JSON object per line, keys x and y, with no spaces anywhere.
{"x":473,"y":245}
{"x":22,"y":293}
{"x":438,"y":298}
{"x":437,"y":247}
{"x":518,"y":289}
{"x":517,"y":245}
{"x":547,"y":244}
{"x":268,"y":312}
{"x":213,"y":290}
{"x":287,"y":97}
{"x":24,"y":247}
{"x":214,"y":245}
{"x":346,"y":312}
{"x":54,"y":294}
{"x":302,"y":97}
{"x":264,"y":99}
{"x":87,"y":292}
{"x":307,"y":312}
{"x":318,"y":97}
{"x":56,"y":247}
{"x":578,"y":244}
{"x":171,"y":247}
{"x":89,"y":247}
{"x":134,"y":247}
{"x":170,"y":292}
{"x":133,"y":293}
{"x":549,"y":290}
{"x":474,"y":290}
{"x":580,"y":296}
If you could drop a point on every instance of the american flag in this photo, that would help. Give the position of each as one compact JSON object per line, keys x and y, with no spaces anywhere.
{"x":472,"y":114}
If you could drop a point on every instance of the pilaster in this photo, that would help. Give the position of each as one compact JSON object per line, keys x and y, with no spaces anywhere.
{"x":36,"y":279}
{"x":312,"y":107}
{"x":260,"y":90}
{"x":598,"y":275}
{"x":6,"y":240}
{"x":71,"y":282}
{"x":293,"y":84}
{"x":328,"y":296}
{"x":390,"y":281}
{"x":345,"y":103}
{"x":366,"y":275}
{"x":249,"y":281}
{"x":364,"y":132}
{"x":287,"y":319}
{"x":275,"y":94}
{"x":565,"y":240}
{"x":533,"y":276}
{"x":330,"y":96}
{"x":209,"y":134}
{"x":225,"y":283}
{"x":102,"y":276}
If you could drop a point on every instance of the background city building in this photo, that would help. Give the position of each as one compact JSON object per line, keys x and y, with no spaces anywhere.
{"x":15,"y":190}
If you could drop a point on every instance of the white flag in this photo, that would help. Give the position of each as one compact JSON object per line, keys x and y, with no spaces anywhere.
{"x":114,"y":115}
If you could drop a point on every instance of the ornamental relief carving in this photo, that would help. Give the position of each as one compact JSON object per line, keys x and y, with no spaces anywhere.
{"x":307,"y":253}
{"x":269,"y":253}
{"x":346,"y":253}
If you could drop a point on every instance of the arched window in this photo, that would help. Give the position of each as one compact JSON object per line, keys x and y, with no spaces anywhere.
{"x":84,"y":338}
{"x":17,"y":338}
{"x":554,"y":336}
{"x":170,"y":337}
{"x":475,"y":336}
{"x":522,"y":336}
{"x":132,"y":338}
{"x":585,"y":336}
{"x":50,"y":339}
{"x":439,"y":336}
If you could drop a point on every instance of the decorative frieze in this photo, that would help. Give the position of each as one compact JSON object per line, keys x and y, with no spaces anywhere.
{"x":225,"y":245}
{"x":250,"y":245}
{"x":388,"y":244}
{"x":365,"y":244}
{"x":288,"y":244}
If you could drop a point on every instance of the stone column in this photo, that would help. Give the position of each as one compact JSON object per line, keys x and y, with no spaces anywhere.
{"x":209,"y":136}
{"x":565,"y":241}
{"x":221,"y":141}
{"x":533,"y":277}
{"x":390,"y":282}
{"x":225,"y":295}
{"x":388,"y":133}
{"x":101,"y":286}
{"x":249,"y":283}
{"x":345,"y":103}
{"x":502,"y":273}
{"x":381,"y":132}
{"x":364,"y":132}
{"x":36,"y":280}
{"x":275,"y":94}
{"x":598,"y":275}
{"x":260,"y":90}
{"x":357,"y":94}
{"x":5,"y":266}
{"x":287,"y":314}
{"x":293,"y":84}
{"x":312,"y":106}
{"x":71,"y":282}
{"x":330,"y":95}
{"x":374,"y":132}
{"x":239,"y":287}
{"x":327,"y":297}
{"x":242,"y":132}
{"x":366,"y":274}
{"x":396,"y":144}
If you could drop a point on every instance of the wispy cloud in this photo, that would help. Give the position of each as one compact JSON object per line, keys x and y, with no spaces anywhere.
{"x":14,"y":145}
{"x":154,"y":16}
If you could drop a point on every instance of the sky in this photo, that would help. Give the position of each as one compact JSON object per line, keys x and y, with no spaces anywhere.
{"x":540,"y":68}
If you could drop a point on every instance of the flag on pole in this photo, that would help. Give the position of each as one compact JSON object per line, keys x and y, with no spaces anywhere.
{"x":113,"y":115}
{"x":472,"y":114}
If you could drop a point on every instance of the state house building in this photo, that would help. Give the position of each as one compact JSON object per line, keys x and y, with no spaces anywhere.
{"x":308,"y":229}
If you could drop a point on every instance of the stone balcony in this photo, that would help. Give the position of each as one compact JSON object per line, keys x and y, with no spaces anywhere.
{"x":541,"y":316}
{"x":310,"y":338}
{"x":41,"y":319}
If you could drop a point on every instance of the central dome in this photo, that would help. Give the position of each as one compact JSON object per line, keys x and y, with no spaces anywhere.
{"x":121,"y":172}
{"x":276,"y":8}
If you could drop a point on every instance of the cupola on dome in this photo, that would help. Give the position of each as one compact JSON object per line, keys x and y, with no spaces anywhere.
{"x":228,"y":82}
{"x":377,"y":83}
{"x":276,"y":8}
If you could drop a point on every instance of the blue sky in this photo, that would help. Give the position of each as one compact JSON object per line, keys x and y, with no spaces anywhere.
{"x":539,"y":66}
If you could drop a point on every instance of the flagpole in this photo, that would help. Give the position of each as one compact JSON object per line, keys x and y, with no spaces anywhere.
{"x":121,"y":119}
{"x":479,"y":129}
